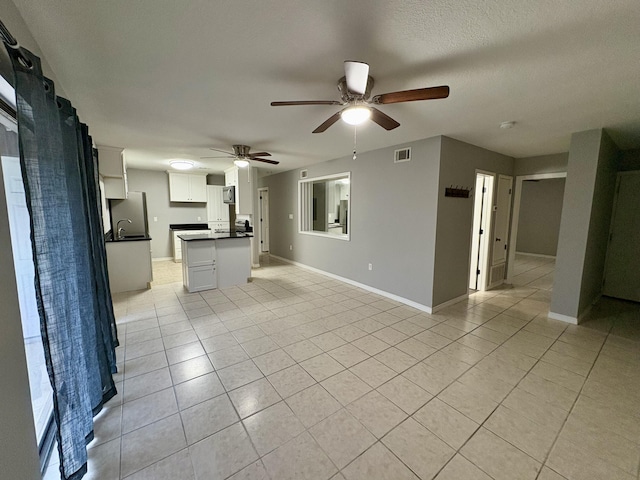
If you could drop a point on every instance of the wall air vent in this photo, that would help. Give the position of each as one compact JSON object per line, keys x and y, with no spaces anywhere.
{"x":304,"y":173}
{"x":402,"y":155}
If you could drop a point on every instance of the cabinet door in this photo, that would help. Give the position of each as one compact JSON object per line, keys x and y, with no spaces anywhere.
{"x":179,"y":187}
{"x":198,"y":188}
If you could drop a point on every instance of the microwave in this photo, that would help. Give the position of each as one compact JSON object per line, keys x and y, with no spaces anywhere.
{"x":229,"y":194}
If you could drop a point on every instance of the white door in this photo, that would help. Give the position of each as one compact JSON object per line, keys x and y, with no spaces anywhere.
{"x":264,"y":220}
{"x":622,"y":272}
{"x":481,"y":232}
{"x":501,"y":226}
{"x":20,"y":230}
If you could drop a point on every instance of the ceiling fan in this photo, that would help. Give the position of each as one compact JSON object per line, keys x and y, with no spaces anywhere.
{"x":355,"y":89}
{"x":242,"y":156}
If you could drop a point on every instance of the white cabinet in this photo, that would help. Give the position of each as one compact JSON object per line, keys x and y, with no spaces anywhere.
{"x":219,"y":226}
{"x":217,"y":210}
{"x":113,"y":168}
{"x":244,"y":181}
{"x":177,"y":243}
{"x":187,"y":187}
{"x":199,"y":266}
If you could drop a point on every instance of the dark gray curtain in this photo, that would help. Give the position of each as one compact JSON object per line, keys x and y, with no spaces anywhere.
{"x":60,"y":175}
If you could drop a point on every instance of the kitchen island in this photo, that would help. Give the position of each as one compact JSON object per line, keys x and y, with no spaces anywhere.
{"x":215,"y":260}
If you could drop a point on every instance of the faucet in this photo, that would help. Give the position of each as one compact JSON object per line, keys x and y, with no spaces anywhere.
{"x":119,"y":235}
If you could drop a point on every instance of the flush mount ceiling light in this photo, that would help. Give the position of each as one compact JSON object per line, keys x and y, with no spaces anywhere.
{"x":506,"y":125}
{"x":356,"y":115}
{"x":181,"y":164}
{"x":241,"y":163}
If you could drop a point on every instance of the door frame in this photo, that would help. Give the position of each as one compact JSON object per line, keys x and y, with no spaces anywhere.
{"x":515,"y":216}
{"x":260,"y":220}
{"x":483,"y":248}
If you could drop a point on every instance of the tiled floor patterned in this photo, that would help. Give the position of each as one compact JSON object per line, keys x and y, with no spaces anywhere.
{"x":299,"y":376}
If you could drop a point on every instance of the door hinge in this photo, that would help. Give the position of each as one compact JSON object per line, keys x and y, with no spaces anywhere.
{"x":481,"y":231}
{"x":484,"y":189}
{"x":261,"y":241}
{"x":509,"y":191}
{"x":505,"y":246}
{"x":477,"y":272}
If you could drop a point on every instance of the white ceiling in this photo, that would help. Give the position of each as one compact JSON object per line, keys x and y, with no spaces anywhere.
{"x":168,"y":79}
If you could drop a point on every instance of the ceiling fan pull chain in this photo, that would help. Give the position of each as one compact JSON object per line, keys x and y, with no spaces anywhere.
{"x":355,"y":140}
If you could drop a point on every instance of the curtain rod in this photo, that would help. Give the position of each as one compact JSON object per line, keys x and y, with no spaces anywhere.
{"x":12,"y":43}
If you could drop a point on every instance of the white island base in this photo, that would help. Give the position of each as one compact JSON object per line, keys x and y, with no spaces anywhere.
{"x":215,"y":261}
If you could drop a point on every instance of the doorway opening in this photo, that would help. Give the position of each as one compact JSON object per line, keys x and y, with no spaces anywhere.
{"x":535,"y":227}
{"x":481,"y":232}
{"x":263,"y":210}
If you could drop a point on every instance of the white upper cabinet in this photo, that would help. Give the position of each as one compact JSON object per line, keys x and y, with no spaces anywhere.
{"x":217,"y":210}
{"x":243,"y":180}
{"x":187,"y":187}
{"x":113,"y":169}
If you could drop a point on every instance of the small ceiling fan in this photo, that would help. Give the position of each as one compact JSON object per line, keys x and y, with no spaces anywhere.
{"x":242,"y":156}
{"x":355,"y":89}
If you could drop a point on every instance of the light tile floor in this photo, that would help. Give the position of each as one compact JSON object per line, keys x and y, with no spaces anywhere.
{"x":298,"y":376}
{"x":533,"y":271}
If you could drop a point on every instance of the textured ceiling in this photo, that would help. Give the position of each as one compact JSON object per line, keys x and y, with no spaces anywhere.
{"x":168,"y":79}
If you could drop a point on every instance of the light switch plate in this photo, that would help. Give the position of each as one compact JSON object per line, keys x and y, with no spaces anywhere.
{"x":291,"y":216}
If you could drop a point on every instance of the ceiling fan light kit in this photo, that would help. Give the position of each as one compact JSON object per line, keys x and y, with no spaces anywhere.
{"x":355,"y":92}
{"x":241,"y":163}
{"x":181,"y":164}
{"x":356,"y":115}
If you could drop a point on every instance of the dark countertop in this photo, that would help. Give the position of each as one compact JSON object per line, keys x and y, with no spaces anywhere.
{"x":213,"y":236}
{"x":127,"y":238}
{"x":189,"y":226}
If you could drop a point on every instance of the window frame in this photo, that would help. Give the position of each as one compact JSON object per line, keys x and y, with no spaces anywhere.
{"x":305,"y":212}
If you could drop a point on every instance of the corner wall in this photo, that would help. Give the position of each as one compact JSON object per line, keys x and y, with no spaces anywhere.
{"x":584,"y":226}
{"x":393,"y":215}
{"x":458,"y":164}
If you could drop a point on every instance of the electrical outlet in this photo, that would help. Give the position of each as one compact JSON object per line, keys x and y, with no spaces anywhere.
{"x":290,"y":247}
{"x":155,"y":219}
{"x":371,"y":266}
{"x":291,"y":216}
{"x":199,"y":218}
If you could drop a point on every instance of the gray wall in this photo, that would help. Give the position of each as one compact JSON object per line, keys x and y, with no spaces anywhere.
{"x":156,"y":185}
{"x":541,"y":164}
{"x":18,"y":449}
{"x":584,"y":225}
{"x":540,"y":213}
{"x":458,"y":164}
{"x":393,"y":214}
{"x":629,"y":160}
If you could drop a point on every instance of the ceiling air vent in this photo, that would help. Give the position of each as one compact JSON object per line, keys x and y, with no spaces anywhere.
{"x":402,"y":155}
{"x":304,"y":173}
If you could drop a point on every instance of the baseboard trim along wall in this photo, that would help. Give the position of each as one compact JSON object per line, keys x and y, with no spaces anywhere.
{"x":563,"y":318}
{"x":448,"y":303}
{"x":161,"y":259}
{"x":535,"y":255}
{"x":392,"y":296}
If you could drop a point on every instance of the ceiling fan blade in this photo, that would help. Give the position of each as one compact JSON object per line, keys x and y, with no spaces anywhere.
{"x":305,"y":102}
{"x":260,"y":154}
{"x":265,"y":160}
{"x":221,"y":151}
{"x":357,"y":74}
{"x":327,"y":123}
{"x":384,"y":120}
{"x":430,"y":93}
{"x":225,"y":156}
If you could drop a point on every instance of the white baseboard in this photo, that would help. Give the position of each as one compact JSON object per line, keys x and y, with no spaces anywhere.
{"x":563,"y":318}
{"x":255,"y":265}
{"x":448,"y":303}
{"x":535,"y":255}
{"x":392,"y":296}
{"x":575,"y":320}
{"x":161,"y":259}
